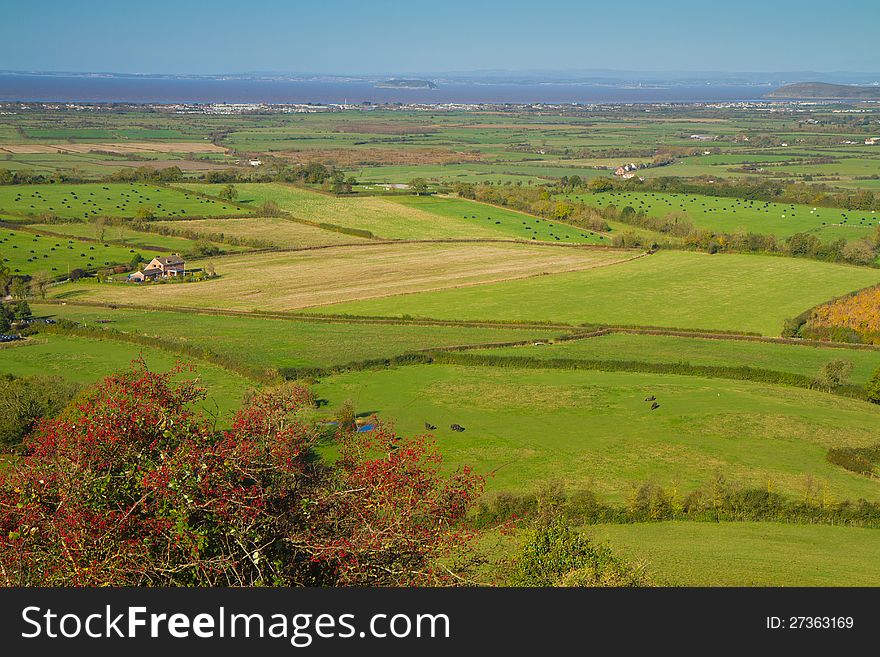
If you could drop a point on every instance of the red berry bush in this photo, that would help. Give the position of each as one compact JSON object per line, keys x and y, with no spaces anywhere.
{"x":132,"y":487}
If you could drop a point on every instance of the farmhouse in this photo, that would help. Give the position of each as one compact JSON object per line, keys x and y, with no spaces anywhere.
{"x":625,"y":170}
{"x":167,"y":267}
{"x":872,"y":141}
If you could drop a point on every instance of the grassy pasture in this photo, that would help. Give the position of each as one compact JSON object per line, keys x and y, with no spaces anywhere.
{"x":408,"y":218}
{"x":124,"y":236}
{"x":507,"y":222}
{"x":83,"y":201}
{"x":278,"y":231}
{"x":86,"y":361}
{"x":748,"y":553}
{"x":292,"y":280}
{"x":797,"y":359}
{"x":274,"y":343}
{"x":730,"y":214}
{"x":27,"y":253}
{"x":528,"y":427}
{"x":669,"y":288}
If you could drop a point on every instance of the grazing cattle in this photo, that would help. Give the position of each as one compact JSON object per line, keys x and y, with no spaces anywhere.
{"x":655,"y":406}
{"x":456,"y":427}
{"x":429,"y":426}
{"x":651,"y":398}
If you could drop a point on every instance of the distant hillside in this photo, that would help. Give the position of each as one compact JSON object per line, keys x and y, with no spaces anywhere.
{"x":825,"y":91}
{"x":405,"y":84}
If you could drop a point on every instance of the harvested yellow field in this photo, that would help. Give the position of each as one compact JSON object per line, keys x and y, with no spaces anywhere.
{"x":300,"y":279}
{"x":280,"y":232}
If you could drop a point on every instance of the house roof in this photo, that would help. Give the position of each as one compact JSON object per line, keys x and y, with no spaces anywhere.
{"x":170,"y":260}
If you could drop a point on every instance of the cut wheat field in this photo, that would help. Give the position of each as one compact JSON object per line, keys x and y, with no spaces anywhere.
{"x":293,"y":280}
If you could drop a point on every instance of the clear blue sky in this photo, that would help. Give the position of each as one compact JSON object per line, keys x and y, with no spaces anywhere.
{"x":388,"y":36}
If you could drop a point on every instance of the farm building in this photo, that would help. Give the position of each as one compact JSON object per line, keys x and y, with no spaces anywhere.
{"x":872,"y":141}
{"x":625,"y":169}
{"x":167,"y":267}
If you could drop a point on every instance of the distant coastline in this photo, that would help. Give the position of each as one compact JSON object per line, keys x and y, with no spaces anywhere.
{"x":825,"y":91}
{"x":405,"y":84}
{"x":179,"y":89}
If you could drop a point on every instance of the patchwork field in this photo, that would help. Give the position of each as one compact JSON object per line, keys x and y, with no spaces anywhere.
{"x":527,"y":426}
{"x":121,"y":235}
{"x":274,"y":343}
{"x":27,"y":253}
{"x":730,"y":214}
{"x":428,"y":272}
{"x":110,"y":199}
{"x":278,"y":231}
{"x":86,"y":361}
{"x":797,"y":359}
{"x":407,"y":218}
{"x":669,"y":288}
{"x":508,"y":222}
{"x":292,"y":280}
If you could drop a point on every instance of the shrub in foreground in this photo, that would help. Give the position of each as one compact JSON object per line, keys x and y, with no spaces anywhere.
{"x":134,"y":488}
{"x":555,"y":555}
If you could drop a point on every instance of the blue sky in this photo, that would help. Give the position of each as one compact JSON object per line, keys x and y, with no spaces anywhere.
{"x":387,"y":36}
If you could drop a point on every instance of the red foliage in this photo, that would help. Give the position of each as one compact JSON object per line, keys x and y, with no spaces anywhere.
{"x":134,"y":488}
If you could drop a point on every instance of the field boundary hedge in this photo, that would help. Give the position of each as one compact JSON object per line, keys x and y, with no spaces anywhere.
{"x":717,"y":501}
{"x":205,"y":354}
{"x":736,"y":373}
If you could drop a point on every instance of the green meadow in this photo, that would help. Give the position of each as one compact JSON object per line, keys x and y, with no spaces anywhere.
{"x":509,"y":223}
{"x":731,"y":214}
{"x":526,"y":427}
{"x":86,"y":361}
{"x":124,"y":236}
{"x":27,"y":253}
{"x":747,"y":553}
{"x":272,"y":343}
{"x":406,"y":217}
{"x":84,"y":201}
{"x":670,"y":288}
{"x":796,"y":359}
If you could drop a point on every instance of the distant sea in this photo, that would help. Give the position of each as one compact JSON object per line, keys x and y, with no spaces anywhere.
{"x":45,"y":88}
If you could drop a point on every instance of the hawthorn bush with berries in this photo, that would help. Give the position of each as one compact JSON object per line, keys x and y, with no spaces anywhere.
{"x":132,"y":487}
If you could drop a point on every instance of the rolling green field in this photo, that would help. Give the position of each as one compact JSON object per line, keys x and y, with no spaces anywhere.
{"x":748,"y":553}
{"x":580,"y":428}
{"x":86,"y":361}
{"x":670,"y":288}
{"x":124,"y":236}
{"x":797,"y":359}
{"x":407,"y":263}
{"x":407,"y":218}
{"x":731,"y":215}
{"x":83,"y":201}
{"x":27,"y":253}
{"x":273,"y":343}
{"x":508,"y":222}
{"x":278,"y":231}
